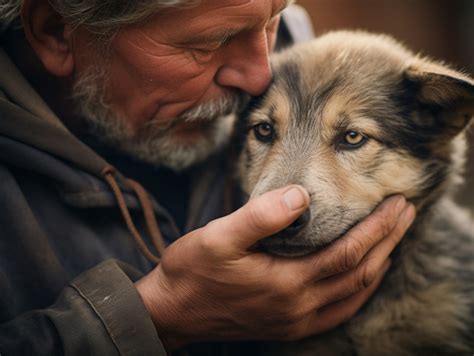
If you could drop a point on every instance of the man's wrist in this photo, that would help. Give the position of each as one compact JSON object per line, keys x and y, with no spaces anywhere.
{"x":161,"y":310}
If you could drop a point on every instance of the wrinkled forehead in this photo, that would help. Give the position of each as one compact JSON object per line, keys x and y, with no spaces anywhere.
{"x":193,"y":9}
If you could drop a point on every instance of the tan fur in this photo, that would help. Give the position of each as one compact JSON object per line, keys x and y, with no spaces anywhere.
{"x":345,"y":82}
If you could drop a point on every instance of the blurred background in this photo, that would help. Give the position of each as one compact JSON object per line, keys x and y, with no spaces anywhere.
{"x":442,"y":29}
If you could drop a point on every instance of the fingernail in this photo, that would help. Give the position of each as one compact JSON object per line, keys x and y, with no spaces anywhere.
{"x":408,"y":214}
{"x":294,"y":198}
{"x":401,"y":203}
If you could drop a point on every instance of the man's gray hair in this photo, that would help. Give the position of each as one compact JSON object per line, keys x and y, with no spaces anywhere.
{"x":103,"y":17}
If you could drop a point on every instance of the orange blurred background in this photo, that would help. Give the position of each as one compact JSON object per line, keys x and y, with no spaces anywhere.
{"x":441,"y":29}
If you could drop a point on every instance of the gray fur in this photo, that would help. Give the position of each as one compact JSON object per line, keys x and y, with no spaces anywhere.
{"x":414,"y":112}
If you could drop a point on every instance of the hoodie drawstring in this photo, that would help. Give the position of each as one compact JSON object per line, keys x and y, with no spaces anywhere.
{"x":151,"y":223}
{"x":148,"y":212}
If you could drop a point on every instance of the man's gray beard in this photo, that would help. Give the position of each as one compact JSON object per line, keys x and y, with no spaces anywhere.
{"x":152,"y":144}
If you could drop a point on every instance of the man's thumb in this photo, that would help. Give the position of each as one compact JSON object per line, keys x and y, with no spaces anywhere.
{"x":261,"y":217}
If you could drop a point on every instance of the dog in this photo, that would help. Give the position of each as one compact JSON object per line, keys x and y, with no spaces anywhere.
{"x":356,"y":117}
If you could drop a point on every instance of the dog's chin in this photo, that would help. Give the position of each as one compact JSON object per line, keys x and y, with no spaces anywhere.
{"x":288,"y":247}
{"x":284,"y":250}
{"x":295,"y":246}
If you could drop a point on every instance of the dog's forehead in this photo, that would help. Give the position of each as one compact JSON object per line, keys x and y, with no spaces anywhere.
{"x":338,"y":80}
{"x":328,"y":102}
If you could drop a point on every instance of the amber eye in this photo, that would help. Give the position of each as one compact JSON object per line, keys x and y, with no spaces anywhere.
{"x":264,"y":132}
{"x":353,"y":139}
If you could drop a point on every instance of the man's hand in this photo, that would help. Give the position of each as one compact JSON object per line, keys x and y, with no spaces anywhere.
{"x":209,"y":286}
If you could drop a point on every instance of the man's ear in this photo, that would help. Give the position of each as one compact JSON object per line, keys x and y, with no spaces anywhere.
{"x":441,"y":90}
{"x":49,"y":36}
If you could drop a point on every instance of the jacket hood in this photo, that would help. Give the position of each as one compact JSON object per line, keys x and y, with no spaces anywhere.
{"x":33,"y":138}
{"x":29,"y":120}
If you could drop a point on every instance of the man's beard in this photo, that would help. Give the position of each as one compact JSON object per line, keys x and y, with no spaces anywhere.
{"x":150,"y":143}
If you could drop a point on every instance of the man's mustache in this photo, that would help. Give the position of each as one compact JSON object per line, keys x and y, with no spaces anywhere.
{"x":223,"y":106}
{"x":204,"y":113}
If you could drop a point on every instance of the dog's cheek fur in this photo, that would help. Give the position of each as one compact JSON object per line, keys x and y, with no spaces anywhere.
{"x":347,"y":186}
{"x":257,"y":158}
{"x":247,"y":172}
{"x":389,"y":172}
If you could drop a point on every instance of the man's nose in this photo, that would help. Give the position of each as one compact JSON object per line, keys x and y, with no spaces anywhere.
{"x":247,"y":66}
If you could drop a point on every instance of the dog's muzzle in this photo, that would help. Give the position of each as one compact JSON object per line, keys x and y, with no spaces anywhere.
{"x":285,"y":242}
{"x":297,"y":225}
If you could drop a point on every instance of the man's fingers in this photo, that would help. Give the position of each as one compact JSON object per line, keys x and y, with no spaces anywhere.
{"x":337,"y":313}
{"x":377,"y":255}
{"x":259,"y":218}
{"x":345,"y":284}
{"x":347,"y":252}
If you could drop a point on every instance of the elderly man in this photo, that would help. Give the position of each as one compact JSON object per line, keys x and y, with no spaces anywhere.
{"x":93,"y":91}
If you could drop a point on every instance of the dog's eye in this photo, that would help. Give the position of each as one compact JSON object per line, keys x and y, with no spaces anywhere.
{"x":353,"y":139}
{"x":264,"y":132}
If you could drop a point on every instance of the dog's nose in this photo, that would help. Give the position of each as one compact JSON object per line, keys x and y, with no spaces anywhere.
{"x":297,"y":225}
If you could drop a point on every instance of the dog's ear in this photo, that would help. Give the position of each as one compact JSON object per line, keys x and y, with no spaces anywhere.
{"x":446,"y":92}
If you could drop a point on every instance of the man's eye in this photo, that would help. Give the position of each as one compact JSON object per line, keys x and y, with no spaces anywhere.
{"x":264,"y":132}
{"x":352,"y":140}
{"x":205,"y":51}
{"x":212,"y":47}
{"x":202,"y":55}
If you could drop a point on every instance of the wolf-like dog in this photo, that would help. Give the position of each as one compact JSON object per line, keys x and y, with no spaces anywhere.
{"x":355,"y":117}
